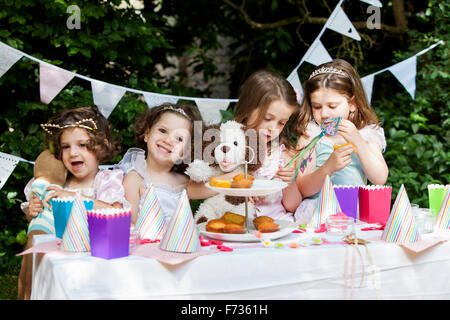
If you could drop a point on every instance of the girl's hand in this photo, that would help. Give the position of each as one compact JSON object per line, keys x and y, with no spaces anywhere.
{"x":35,"y":206}
{"x":285,"y":174}
{"x":349,"y":132}
{"x":256,"y":200}
{"x":339,"y":159}
{"x":57,"y":192}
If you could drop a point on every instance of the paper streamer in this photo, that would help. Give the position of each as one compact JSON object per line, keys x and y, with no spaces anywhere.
{"x":401,"y":226}
{"x":51,"y":81}
{"x":327,"y":204}
{"x":181,"y":234}
{"x":151,"y":222}
{"x":76,"y":235}
{"x":443,"y":217}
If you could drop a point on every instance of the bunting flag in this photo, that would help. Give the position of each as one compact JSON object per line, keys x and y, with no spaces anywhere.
{"x":294,"y":80}
{"x":405,"y":72}
{"x":51,"y":81}
{"x":367,"y":83}
{"x":210,"y":109}
{"x":339,"y":22}
{"x":317,"y":54}
{"x":375,"y":3}
{"x":154,"y":99}
{"x":8,"y":58}
{"x":7,"y":165}
{"x":106,"y":96}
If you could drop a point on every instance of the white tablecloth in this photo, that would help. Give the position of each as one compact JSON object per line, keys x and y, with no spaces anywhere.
{"x":326,"y":271}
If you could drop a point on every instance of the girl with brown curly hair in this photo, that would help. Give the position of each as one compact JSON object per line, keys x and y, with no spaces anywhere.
{"x":81,"y":139}
{"x":164,"y":139}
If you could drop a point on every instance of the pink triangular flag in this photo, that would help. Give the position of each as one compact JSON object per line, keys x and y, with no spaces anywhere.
{"x":76,"y":235}
{"x":443,"y":217}
{"x":327,"y":204}
{"x":401,"y":226}
{"x":51,"y":81}
{"x":151,"y":222}
{"x":181,"y":234}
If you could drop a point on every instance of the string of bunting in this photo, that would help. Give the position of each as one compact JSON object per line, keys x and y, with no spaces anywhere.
{"x":404,"y":71}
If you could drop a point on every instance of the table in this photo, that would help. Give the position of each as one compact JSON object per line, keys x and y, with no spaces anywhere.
{"x":312,"y":272}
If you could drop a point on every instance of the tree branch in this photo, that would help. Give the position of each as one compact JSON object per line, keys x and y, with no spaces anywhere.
{"x":303,"y":20}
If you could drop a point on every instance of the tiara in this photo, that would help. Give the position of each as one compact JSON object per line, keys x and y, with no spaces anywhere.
{"x":327,"y":70}
{"x":179,"y":110}
{"x":49,"y":128}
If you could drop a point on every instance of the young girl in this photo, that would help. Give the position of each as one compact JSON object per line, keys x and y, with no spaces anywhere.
{"x":266,"y":103}
{"x":164,"y":137}
{"x":81,"y":139}
{"x":334,"y":89}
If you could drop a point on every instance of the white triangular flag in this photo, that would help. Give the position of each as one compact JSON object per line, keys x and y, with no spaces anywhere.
{"x":294,"y":80}
{"x":7,"y":165}
{"x":106,"y":96}
{"x":210,"y":109}
{"x":367,"y":83}
{"x":339,"y":22}
{"x":51,"y":81}
{"x":375,"y":3}
{"x":8,"y":57}
{"x":317,"y":54}
{"x":405,"y":72}
{"x":155,"y":99}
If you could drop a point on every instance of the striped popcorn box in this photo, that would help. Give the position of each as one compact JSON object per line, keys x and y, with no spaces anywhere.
{"x":181,"y":234}
{"x":401,"y":226}
{"x":151,"y":222}
{"x":109,"y":232}
{"x":76,"y":235}
{"x":327,"y":204}
{"x":436,"y":194}
{"x":443,"y":217}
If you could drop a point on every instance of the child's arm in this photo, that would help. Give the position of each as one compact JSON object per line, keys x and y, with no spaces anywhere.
{"x":369,"y":153}
{"x":291,"y":194}
{"x":132,"y":184}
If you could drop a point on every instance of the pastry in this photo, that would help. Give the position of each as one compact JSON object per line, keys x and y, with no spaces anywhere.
{"x":215,"y":225}
{"x":258,"y":220}
{"x":242,"y":176}
{"x":219,"y":183}
{"x":235,"y":218}
{"x":267,"y":227}
{"x":233,"y":228}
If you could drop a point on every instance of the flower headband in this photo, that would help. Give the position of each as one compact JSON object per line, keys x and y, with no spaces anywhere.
{"x":327,"y":70}
{"x":179,"y":110}
{"x":50,"y":128}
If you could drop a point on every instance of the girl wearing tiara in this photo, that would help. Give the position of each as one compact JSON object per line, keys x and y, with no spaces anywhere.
{"x":164,"y":136}
{"x":81,"y":139}
{"x":354,"y":154}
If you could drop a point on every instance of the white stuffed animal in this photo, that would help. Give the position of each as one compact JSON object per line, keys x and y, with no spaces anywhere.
{"x":226,"y":153}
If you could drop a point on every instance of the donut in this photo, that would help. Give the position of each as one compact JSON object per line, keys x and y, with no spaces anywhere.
{"x":267,"y":227}
{"x":233,"y":228}
{"x":215,"y":225}
{"x":235,"y":218}
{"x":219,"y":183}
{"x":258,"y":220}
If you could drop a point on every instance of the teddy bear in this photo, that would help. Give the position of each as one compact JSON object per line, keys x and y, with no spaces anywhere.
{"x":48,"y":171}
{"x":225,"y":149}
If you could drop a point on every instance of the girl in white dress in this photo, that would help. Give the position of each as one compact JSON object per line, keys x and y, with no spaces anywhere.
{"x":164,"y":137}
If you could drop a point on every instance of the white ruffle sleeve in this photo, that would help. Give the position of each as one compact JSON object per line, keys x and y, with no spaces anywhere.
{"x":134,"y":159}
{"x":374,"y":132}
